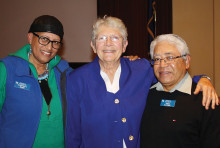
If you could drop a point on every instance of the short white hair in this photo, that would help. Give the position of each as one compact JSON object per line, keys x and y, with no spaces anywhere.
{"x":172,"y":39}
{"x":112,"y":22}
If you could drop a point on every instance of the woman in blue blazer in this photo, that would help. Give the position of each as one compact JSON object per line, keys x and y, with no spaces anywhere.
{"x":106,"y":98}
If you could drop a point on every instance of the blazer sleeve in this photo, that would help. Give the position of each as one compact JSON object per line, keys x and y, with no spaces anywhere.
{"x":73,"y":123}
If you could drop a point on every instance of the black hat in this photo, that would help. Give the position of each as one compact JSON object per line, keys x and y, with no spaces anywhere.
{"x":47,"y":23}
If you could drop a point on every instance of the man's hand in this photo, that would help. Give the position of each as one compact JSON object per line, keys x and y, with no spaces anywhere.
{"x":209,"y":93}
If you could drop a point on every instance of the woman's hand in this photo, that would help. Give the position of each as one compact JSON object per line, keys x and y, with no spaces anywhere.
{"x":132,"y":58}
{"x":209,"y":93}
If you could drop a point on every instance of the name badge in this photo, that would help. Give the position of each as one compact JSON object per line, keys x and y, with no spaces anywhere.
{"x":22,"y":85}
{"x":167,"y":103}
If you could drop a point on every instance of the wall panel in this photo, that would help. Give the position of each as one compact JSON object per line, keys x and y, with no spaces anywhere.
{"x":217,"y":44}
{"x":198,"y":22}
{"x":77,"y":17}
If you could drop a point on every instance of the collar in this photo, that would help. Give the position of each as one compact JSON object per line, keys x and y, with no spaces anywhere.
{"x":184,"y":85}
{"x":23,"y":53}
{"x":114,"y":86}
{"x":96,"y":77}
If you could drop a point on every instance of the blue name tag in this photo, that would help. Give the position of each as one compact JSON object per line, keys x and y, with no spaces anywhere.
{"x":22,"y":85}
{"x":167,"y":103}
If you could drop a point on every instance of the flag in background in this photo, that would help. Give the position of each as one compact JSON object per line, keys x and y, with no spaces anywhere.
{"x":151,"y":21}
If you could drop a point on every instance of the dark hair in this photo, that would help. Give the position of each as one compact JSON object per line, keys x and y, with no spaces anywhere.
{"x":47,"y":23}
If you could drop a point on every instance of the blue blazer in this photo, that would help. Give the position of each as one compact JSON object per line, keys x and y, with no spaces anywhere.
{"x":100,"y":119}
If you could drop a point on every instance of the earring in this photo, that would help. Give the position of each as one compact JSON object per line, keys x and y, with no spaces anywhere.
{"x":30,"y":52}
{"x":55,"y":58}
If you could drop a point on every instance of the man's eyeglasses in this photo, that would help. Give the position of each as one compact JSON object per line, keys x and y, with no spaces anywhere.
{"x":104,"y":38}
{"x":167,"y":60}
{"x":45,"y":41}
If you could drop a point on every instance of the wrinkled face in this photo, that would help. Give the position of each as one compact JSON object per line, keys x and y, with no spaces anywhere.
{"x":42,"y":54}
{"x":109,"y":45}
{"x":169,"y":74}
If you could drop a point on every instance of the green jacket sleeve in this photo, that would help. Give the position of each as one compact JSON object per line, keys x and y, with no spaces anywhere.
{"x":3,"y":76}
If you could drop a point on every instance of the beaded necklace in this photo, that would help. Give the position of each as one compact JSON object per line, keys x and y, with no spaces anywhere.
{"x":45,"y":75}
{"x":43,"y":82}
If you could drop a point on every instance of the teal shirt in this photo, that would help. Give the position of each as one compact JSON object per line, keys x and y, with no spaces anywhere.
{"x":50,"y":133}
{"x":3,"y":75}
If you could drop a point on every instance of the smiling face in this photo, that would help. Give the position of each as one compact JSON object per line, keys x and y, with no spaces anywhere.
{"x":171,"y":74}
{"x":110,"y":50}
{"x":42,"y":54}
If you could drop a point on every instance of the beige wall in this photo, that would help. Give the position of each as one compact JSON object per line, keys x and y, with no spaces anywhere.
{"x":77,"y":17}
{"x":217,"y":44}
{"x":198,"y":22}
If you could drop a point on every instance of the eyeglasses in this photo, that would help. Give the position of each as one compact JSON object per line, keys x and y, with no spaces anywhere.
{"x":45,"y":41}
{"x":167,"y":60}
{"x":103,"y":38}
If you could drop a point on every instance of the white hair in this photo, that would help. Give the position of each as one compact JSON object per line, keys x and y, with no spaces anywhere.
{"x":112,"y":22}
{"x":172,"y":39}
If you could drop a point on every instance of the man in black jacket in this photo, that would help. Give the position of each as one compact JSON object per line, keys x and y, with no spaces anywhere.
{"x":174,"y":117}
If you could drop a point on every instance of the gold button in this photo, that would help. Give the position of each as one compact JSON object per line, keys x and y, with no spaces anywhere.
{"x":116,"y":101}
{"x":123,"y":120}
{"x":131,"y":138}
